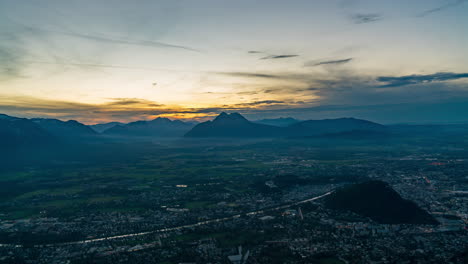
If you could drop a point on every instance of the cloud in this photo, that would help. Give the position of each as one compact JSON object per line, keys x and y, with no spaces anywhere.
{"x":117,"y":109}
{"x":338,"y":85}
{"x":263,"y":102}
{"x":272,"y":56}
{"x":365,"y":18}
{"x":418,"y":79}
{"x":11,"y":55}
{"x":342,"y":61}
{"x":133,"y":102}
{"x":95,"y":65}
{"x":278,"y":57}
{"x":105,"y":39}
{"x":441,"y":8}
{"x":250,"y":75}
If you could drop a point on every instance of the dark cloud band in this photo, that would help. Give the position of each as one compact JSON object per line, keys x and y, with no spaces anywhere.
{"x":418,"y":79}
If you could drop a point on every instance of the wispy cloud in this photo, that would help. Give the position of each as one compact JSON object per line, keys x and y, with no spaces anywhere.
{"x":263,"y":102}
{"x":390,"y":81}
{"x":133,"y":102}
{"x":97,"y":65}
{"x":251,"y":75}
{"x":366,"y":18}
{"x":15,"y":56}
{"x":327,"y":62}
{"x":451,"y":3}
{"x":11,"y":55}
{"x":114,"y":40}
{"x":270,"y":57}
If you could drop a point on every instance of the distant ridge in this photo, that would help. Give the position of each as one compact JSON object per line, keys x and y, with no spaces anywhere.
{"x":333,"y":126}
{"x":64,"y":129}
{"x":159,"y":127}
{"x":104,"y":126}
{"x":281,"y":122}
{"x":236,"y":126}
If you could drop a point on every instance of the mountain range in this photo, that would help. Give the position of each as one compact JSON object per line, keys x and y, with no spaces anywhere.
{"x":281,"y":122}
{"x":104,"y":126}
{"x":236,"y":126}
{"x":15,"y":132}
{"x":70,"y":129}
{"x":159,"y":127}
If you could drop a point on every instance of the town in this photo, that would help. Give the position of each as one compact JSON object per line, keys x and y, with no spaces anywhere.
{"x":263,"y":201}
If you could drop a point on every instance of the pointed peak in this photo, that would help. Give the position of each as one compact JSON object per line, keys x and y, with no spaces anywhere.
{"x":161,"y":119}
{"x":223,"y":114}
{"x":231,"y":117}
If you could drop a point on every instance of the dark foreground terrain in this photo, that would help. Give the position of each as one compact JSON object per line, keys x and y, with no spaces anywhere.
{"x":196,"y":201}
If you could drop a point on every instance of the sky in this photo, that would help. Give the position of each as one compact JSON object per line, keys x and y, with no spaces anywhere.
{"x":116,"y":60}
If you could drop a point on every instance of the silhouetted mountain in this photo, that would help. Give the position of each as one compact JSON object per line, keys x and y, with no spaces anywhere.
{"x":333,"y":126}
{"x":281,"y":122}
{"x":378,"y":201}
{"x":102,"y":127}
{"x":233,"y":125}
{"x":15,"y":132}
{"x":9,"y":118}
{"x":356,"y":135}
{"x":159,"y":127}
{"x":70,"y":129}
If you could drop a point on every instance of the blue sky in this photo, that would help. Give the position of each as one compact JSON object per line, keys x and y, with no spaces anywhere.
{"x":98,"y":61}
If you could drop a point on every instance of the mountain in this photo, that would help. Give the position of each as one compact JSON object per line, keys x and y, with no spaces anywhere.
{"x":332,"y":126}
{"x":102,"y":127}
{"x":15,"y":132}
{"x":281,"y":122}
{"x":8,"y":118}
{"x":70,"y":129}
{"x":233,"y":125}
{"x":159,"y":127}
{"x":378,"y":201}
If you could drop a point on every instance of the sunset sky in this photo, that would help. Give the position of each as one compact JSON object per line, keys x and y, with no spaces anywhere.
{"x":119,"y":60}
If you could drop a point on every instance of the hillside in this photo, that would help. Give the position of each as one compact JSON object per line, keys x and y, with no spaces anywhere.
{"x":378,"y":201}
{"x":15,"y":132}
